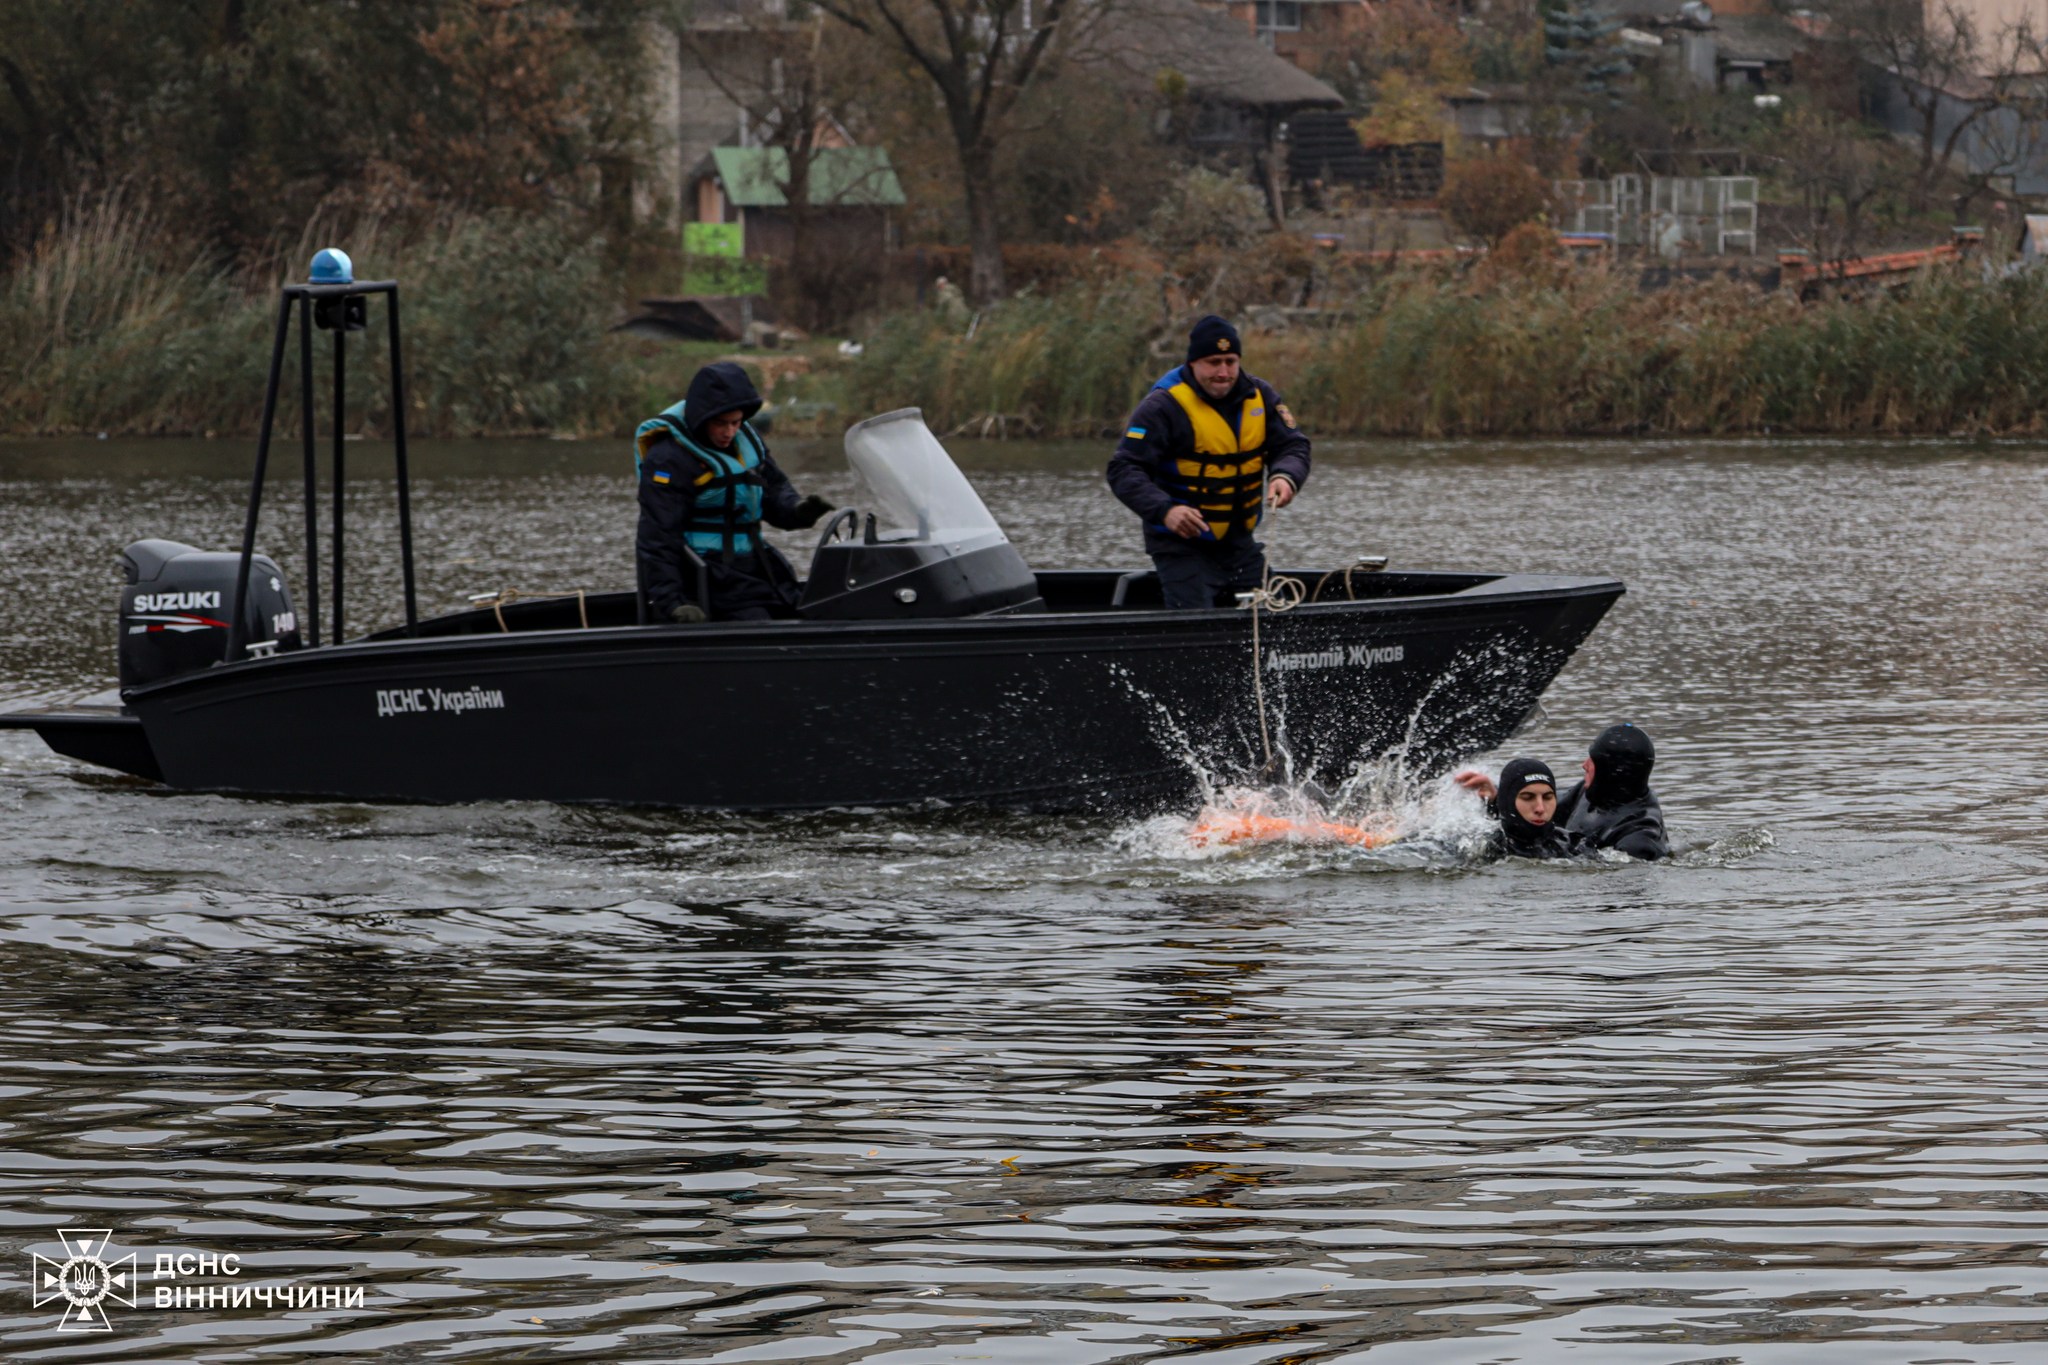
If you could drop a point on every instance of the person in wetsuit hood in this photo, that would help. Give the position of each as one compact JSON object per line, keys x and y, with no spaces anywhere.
{"x":707,"y":483}
{"x":1614,"y":807}
{"x":1525,"y":803}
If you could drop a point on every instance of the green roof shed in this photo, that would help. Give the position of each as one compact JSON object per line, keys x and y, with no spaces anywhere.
{"x":842,"y":177}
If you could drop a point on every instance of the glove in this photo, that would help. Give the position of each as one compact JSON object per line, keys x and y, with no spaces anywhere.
{"x":687,"y":614}
{"x":809,"y":510}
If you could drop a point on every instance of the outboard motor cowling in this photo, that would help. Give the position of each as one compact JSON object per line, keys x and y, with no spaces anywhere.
{"x":175,"y":606}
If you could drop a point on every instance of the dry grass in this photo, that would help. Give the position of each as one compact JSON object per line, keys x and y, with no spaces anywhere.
{"x":113,"y":322}
{"x":1545,"y":351}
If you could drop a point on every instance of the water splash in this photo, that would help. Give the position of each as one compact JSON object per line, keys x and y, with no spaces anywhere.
{"x":1388,"y":810}
{"x":1725,"y":851}
{"x":1171,"y":734}
{"x":1408,"y":821}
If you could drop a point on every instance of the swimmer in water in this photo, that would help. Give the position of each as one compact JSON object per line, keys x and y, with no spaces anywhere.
{"x":1525,"y":803}
{"x":1614,"y":806}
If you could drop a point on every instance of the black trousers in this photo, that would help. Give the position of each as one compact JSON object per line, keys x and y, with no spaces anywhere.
{"x":758,"y":586}
{"x":1207,"y":573}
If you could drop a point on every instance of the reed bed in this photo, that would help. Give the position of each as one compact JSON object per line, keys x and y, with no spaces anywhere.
{"x":1553,"y":352}
{"x":1058,"y":365}
{"x":114,"y":323}
{"x":1583,"y":353}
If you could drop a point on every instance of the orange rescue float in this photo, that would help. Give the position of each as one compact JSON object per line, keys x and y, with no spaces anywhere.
{"x":1219,"y":828}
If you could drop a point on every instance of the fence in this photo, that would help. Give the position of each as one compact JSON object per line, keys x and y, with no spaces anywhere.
{"x":1711,"y":215}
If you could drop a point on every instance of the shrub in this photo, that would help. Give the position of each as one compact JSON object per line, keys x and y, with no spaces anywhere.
{"x":507,"y":328}
{"x":1205,"y":208}
{"x":1487,"y":197}
{"x":115,"y":322}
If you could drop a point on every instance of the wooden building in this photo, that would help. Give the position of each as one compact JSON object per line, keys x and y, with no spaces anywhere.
{"x":850,"y":193}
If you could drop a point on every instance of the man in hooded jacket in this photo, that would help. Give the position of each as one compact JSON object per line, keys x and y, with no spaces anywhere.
{"x":1202,"y":456}
{"x":707,"y":483}
{"x":1614,"y":806}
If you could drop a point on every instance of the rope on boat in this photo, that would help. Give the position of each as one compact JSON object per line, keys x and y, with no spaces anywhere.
{"x":1350,"y":593}
{"x":1280,"y":595}
{"x":1276,"y":595}
{"x":505,"y":597}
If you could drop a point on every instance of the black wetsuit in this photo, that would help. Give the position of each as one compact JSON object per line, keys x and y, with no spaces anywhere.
{"x":1635,"y":826}
{"x":1517,"y":838}
{"x":1620,"y":811}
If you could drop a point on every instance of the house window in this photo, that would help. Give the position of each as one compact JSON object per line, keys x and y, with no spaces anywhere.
{"x":1276,"y":16}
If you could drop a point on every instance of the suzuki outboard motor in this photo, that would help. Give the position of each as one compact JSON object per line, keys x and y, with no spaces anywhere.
{"x":175,"y":605}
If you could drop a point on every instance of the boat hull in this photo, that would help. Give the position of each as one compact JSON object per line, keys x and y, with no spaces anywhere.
{"x":1121,"y":709}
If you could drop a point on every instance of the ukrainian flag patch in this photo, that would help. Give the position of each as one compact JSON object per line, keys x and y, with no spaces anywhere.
{"x":1136,"y":433}
{"x":660,"y":477}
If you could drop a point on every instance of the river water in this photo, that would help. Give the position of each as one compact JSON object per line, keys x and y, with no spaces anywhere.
{"x":950,"y":1085}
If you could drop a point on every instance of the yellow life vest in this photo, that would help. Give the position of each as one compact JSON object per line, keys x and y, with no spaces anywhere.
{"x":1225,"y":484}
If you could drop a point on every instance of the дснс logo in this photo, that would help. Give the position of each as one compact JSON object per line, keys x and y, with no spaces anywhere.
{"x":85,"y":1279}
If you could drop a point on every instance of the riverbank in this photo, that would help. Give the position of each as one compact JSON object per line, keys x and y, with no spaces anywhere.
{"x":117,"y":324}
{"x":107,"y":328}
{"x":1555,"y":352}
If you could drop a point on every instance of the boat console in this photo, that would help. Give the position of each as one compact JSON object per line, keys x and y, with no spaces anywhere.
{"x":926,"y":547}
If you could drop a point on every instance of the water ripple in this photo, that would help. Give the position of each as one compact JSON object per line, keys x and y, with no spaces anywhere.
{"x":953,"y":1085}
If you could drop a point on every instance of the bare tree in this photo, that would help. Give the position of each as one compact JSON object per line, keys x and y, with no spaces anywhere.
{"x":980,"y":57}
{"x":2007,"y":133}
{"x":1954,"y":78}
{"x":1841,"y":171}
{"x":784,"y":68}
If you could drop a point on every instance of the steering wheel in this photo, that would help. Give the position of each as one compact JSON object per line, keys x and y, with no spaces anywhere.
{"x":850,"y":516}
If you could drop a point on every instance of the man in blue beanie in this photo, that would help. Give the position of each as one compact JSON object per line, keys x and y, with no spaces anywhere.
{"x":1204,"y":455}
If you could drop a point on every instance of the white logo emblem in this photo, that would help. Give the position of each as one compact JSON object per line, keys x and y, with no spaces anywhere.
{"x":85,"y":1279}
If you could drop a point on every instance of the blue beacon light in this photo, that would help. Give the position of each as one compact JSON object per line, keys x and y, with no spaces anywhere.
{"x":332,"y":266}
{"x":337,"y":313}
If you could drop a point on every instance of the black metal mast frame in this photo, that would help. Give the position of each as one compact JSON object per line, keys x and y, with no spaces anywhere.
{"x":307,"y":298}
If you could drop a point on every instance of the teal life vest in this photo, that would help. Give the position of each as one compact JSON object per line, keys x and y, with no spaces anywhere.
{"x":725,"y":499}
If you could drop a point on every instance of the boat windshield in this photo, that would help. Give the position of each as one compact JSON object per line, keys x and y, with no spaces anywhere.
{"x":915,"y":490}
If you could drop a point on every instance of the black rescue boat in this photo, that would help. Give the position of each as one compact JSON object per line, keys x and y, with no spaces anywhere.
{"x":928,"y":662}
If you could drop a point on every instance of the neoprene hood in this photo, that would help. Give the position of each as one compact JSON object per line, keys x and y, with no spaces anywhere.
{"x":1622,"y":759}
{"x":1521,"y":838}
